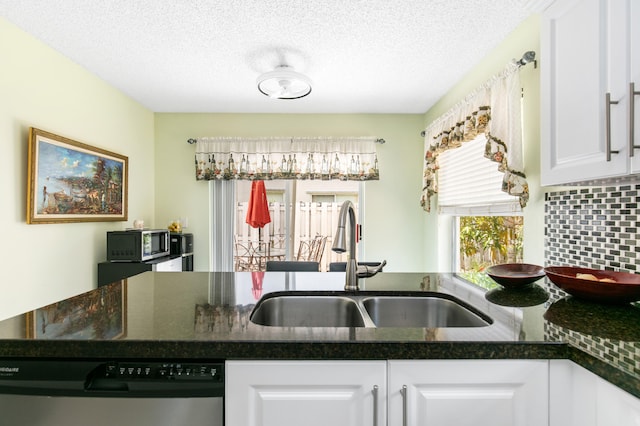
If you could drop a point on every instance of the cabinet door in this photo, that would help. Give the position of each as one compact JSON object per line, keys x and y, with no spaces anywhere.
{"x":310,"y":393}
{"x":468,"y":392}
{"x":581,"y":61}
{"x":580,"y":398}
{"x":634,"y":18}
{"x":572,"y":394}
{"x":615,"y":406}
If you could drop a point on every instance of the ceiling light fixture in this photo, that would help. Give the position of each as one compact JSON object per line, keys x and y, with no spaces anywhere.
{"x":284,"y":83}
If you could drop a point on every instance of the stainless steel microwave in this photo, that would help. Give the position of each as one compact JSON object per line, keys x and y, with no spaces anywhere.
{"x":137,"y":245}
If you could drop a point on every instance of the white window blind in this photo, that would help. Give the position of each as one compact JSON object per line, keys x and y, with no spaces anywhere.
{"x":470,"y":184}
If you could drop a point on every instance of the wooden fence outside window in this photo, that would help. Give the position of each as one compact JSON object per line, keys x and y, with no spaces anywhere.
{"x":312,"y":220}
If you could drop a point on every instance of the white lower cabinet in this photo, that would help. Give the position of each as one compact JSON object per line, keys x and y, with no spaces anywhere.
{"x":468,"y":392}
{"x":419,"y":393}
{"x":306,"y":393}
{"x":615,"y":406}
{"x":580,"y":398}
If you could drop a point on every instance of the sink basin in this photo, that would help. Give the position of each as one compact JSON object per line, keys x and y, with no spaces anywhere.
{"x":429,"y":312}
{"x":365,"y":309}
{"x":308,"y":311}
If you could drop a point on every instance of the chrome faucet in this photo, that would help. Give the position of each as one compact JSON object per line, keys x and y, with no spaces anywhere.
{"x":339,"y":244}
{"x":354,"y":271}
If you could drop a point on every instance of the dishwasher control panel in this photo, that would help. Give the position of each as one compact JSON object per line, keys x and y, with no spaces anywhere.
{"x":113,"y":378}
{"x":157,"y":378}
{"x":211,"y":372}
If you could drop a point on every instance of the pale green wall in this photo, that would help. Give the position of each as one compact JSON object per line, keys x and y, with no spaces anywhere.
{"x":394,"y":221}
{"x":41,"y":88}
{"x":525,"y":37}
{"x":393,"y":217}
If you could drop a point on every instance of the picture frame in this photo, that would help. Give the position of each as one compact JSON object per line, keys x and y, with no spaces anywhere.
{"x":99,"y":314}
{"x":69,"y":181}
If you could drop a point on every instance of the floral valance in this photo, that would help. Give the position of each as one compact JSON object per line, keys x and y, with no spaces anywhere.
{"x":345,"y":158}
{"x":494,"y":109}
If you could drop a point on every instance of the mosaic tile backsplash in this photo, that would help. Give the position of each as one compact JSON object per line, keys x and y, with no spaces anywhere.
{"x":595,"y":227}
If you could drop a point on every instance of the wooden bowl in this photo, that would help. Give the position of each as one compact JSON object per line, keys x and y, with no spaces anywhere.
{"x":515,"y":275}
{"x":624,"y":288}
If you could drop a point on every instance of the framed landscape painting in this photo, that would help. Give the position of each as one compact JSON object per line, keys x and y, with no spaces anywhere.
{"x":96,"y":315}
{"x":70,"y":181}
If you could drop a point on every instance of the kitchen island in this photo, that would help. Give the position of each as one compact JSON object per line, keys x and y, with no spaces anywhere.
{"x":205,"y":316}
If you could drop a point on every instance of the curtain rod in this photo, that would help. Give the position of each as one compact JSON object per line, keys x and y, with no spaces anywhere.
{"x":191,"y":141}
{"x":527,"y":57}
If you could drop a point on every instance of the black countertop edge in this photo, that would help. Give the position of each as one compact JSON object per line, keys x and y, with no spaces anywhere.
{"x":292,"y":350}
{"x":357,"y":350}
{"x":608,"y":372}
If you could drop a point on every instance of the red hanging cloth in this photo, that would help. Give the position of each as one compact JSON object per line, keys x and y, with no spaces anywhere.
{"x":258,"y":210}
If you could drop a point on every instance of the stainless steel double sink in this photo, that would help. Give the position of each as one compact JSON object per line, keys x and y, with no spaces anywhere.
{"x":366,"y":309}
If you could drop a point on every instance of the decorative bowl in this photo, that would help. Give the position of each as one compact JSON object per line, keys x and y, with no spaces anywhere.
{"x":596,"y":285}
{"x":514,"y":275}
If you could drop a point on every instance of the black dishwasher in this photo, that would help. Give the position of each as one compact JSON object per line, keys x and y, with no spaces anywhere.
{"x":120,"y":392}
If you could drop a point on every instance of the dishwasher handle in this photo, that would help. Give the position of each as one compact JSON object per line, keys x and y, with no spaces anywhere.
{"x":99,"y":381}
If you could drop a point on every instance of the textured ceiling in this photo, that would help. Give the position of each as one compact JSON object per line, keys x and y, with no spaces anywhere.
{"x":364,"y":56}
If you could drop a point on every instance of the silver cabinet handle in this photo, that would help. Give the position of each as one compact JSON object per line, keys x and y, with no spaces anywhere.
{"x":403,"y":392}
{"x":632,"y":112}
{"x":607,"y":119}
{"x":374,"y":391}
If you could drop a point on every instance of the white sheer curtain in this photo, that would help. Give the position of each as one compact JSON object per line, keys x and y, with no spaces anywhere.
{"x":494,"y":109}
{"x":345,"y":158}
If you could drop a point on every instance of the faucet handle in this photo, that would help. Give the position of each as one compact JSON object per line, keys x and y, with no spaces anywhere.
{"x":365,"y":271}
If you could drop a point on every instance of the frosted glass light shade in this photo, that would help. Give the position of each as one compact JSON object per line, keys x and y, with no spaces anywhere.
{"x":284,"y":83}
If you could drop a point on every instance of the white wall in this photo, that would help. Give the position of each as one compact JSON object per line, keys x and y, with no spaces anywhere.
{"x":41,"y":88}
{"x":393,"y":217}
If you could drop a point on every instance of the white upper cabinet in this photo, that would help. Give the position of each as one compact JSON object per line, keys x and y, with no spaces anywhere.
{"x":634,"y":83}
{"x":589,"y":59}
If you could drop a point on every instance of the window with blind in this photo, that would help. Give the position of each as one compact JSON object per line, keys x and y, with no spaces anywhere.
{"x":487,"y":222}
{"x":469,"y":183}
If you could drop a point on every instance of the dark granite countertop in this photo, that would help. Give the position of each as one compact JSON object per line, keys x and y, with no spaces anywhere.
{"x":199,"y":315}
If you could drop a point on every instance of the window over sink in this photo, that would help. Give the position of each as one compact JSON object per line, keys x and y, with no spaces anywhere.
{"x":483,"y":241}
{"x":486,"y":223}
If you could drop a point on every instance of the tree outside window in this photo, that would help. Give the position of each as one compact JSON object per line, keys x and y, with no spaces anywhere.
{"x":486,"y":241}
